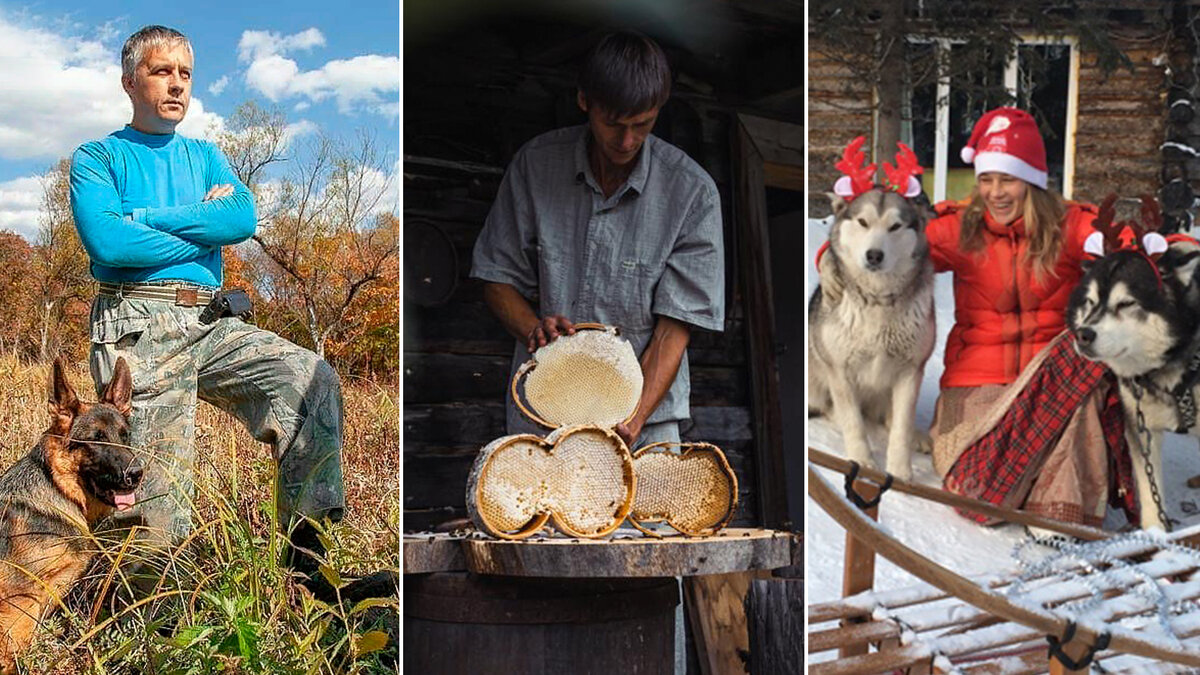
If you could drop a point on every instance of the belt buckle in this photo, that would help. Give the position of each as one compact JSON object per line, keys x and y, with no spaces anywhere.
{"x":185,"y":297}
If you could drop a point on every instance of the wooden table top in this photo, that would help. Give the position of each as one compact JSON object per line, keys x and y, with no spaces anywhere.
{"x":627,"y":553}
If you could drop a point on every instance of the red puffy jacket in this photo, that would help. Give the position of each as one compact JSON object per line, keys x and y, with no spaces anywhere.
{"x":1002,"y":314}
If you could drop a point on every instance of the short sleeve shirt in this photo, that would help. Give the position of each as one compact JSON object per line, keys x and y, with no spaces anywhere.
{"x":653,"y":248}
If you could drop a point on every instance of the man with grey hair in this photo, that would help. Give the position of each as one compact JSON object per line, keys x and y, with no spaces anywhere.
{"x":153,"y":210}
{"x":606,"y":222}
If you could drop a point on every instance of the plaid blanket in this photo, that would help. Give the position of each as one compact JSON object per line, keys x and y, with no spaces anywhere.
{"x":1002,"y":458}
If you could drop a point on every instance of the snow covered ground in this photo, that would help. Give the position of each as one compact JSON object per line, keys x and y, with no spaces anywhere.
{"x":932,"y":529}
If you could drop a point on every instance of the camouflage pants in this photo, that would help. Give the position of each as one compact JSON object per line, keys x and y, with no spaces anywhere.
{"x":284,"y":394}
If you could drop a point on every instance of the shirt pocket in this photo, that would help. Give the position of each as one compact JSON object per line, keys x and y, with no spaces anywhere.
{"x":635,"y":280}
{"x":554,"y":275}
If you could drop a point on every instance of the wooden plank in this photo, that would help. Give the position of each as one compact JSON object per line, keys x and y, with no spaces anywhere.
{"x":755,"y":267}
{"x":785,"y":176}
{"x":774,"y":612}
{"x":731,"y":550}
{"x":459,"y":624}
{"x":424,"y":520}
{"x":423,"y":555}
{"x":718,"y":424}
{"x":858,"y":572}
{"x":716,"y":606}
{"x":446,"y":378}
{"x":841,"y":465}
{"x":852,"y":634}
{"x":454,"y":423}
{"x":436,"y":475}
{"x":873,"y":663}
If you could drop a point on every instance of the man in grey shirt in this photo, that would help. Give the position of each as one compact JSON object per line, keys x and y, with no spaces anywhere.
{"x":605,"y":222}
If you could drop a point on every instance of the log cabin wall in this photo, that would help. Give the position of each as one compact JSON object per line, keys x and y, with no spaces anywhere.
{"x":839,"y":109}
{"x":470,"y":103}
{"x":1121,"y":123}
{"x":1121,"y":119}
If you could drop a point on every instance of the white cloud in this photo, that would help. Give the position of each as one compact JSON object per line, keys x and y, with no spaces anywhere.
{"x":57,"y":91}
{"x":219,"y":86}
{"x":298,"y":130}
{"x":384,"y":185}
{"x":20,"y":205}
{"x":301,"y":106}
{"x":358,"y":83}
{"x":257,"y":44}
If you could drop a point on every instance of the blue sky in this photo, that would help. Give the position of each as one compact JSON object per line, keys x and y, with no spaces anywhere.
{"x":330,"y":67}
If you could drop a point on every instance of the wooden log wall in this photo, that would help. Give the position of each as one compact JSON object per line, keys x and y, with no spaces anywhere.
{"x":1120,"y":124}
{"x":839,"y":109}
{"x":456,"y":355}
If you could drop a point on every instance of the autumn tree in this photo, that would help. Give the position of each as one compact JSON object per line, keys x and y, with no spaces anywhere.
{"x":17,"y":294}
{"x":321,"y":231}
{"x":61,"y":275}
{"x":254,"y":139}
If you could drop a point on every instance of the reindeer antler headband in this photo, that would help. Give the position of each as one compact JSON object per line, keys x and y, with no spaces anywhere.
{"x":860,"y":176}
{"x":1145,"y":237}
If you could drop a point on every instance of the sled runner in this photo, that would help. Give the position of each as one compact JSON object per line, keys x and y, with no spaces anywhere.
{"x":1128,"y":602}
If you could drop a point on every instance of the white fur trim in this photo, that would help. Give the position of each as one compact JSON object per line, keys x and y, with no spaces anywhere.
{"x":968,"y":154}
{"x":1014,"y":166}
{"x":843,"y":187}
{"x":1094,"y":244}
{"x":1153,"y":243}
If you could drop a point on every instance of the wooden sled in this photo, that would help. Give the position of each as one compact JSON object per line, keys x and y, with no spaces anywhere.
{"x":952,"y":624}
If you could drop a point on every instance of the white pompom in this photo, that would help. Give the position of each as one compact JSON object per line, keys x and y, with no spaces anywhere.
{"x":968,"y":154}
{"x":1094,"y":244}
{"x":843,"y":187}
{"x":1153,"y":243}
{"x":914,"y":187}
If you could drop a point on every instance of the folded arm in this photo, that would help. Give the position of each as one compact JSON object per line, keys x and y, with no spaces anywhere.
{"x":110,"y":239}
{"x":219,"y":221}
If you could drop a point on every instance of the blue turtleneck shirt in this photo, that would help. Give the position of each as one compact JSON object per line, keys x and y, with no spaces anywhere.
{"x":138,"y":202}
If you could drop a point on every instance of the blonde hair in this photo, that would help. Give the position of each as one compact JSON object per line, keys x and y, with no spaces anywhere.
{"x":1043,"y":213}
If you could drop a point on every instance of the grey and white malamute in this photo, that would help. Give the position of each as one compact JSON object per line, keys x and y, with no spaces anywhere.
{"x":871,"y":324}
{"x":1140,"y":317}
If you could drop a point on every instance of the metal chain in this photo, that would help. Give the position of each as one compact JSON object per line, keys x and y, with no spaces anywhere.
{"x":1145,"y":452}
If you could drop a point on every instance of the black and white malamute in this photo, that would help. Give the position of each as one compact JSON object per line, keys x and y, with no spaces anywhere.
{"x":1139,"y":314}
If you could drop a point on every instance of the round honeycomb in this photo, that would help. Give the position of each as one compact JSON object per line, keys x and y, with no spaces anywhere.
{"x":591,"y":377}
{"x":694,"y":492}
{"x":580,"y":476}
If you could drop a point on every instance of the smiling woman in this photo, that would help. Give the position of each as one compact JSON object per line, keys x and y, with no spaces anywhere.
{"x":1016,"y":250}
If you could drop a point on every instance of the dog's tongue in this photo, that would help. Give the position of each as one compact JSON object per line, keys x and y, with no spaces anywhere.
{"x":124,"y":502}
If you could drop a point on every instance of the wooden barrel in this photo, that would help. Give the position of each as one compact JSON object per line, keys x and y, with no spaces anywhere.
{"x":460,"y":623}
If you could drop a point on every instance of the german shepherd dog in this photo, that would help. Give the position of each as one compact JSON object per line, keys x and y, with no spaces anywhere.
{"x":78,"y":473}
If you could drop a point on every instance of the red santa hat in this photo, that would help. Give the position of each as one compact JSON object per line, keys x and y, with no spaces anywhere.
{"x":1007,"y":140}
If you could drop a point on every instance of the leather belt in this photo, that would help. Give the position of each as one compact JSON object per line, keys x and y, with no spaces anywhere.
{"x":181,"y":295}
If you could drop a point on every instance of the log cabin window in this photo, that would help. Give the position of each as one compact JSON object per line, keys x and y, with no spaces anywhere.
{"x":1043,"y":77}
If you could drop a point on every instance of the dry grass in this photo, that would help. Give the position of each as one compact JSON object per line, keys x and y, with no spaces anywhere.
{"x":223,"y":604}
